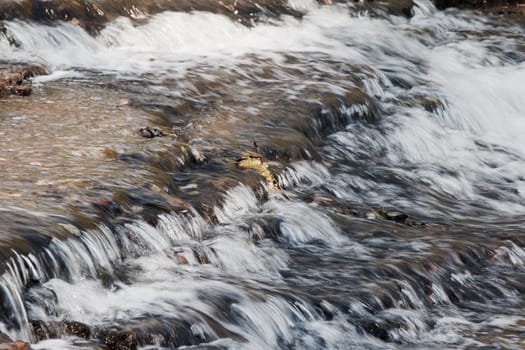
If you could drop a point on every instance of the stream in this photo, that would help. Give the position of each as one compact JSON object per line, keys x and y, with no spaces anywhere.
{"x":333,"y":177}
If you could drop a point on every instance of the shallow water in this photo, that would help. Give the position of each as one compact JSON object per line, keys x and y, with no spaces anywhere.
{"x":395,"y":220}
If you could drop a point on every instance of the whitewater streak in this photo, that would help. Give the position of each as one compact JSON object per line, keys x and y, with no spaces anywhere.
{"x":278,"y":269}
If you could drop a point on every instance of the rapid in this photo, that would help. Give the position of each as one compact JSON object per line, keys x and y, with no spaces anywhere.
{"x":392,"y":217}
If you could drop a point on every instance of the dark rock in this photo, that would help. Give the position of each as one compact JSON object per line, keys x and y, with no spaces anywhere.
{"x":76,"y":329}
{"x":480,"y":4}
{"x":120,"y":340}
{"x":108,"y":207}
{"x":23,"y":90}
{"x":510,"y":9}
{"x":376,"y":329}
{"x":393,"y":7}
{"x":41,"y":331}
{"x":13,"y":79}
{"x":150,"y":133}
{"x":400,"y":218}
{"x":92,"y":15}
{"x":51,"y":330}
{"x":201,"y":256}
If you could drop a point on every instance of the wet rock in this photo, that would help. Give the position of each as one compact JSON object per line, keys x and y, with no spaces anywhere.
{"x":442,"y":4}
{"x":13,"y":80}
{"x":376,"y":329}
{"x":201,"y":256}
{"x":394,"y":7}
{"x":208,"y":211}
{"x":400,"y":218}
{"x":11,"y":40}
{"x":120,"y":340}
{"x":49,"y":330}
{"x":166,"y":333}
{"x":510,"y":9}
{"x":93,"y":15}
{"x":76,"y":329}
{"x":108,"y":207}
{"x":17,"y":345}
{"x":150,"y":133}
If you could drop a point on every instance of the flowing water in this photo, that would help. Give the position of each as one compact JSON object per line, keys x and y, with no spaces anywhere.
{"x":394,"y":219}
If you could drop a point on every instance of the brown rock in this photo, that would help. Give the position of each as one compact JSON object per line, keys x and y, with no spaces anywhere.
{"x":182,"y":259}
{"x":13,"y":79}
{"x":201,"y":257}
{"x":17,"y":345}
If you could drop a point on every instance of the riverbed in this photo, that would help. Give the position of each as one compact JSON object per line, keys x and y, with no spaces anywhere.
{"x":307,"y":176}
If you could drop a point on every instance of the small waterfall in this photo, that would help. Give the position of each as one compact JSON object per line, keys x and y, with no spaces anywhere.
{"x":300,"y":175}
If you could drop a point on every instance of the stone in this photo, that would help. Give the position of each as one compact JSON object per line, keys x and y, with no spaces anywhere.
{"x":17,"y":345}
{"x":150,"y":133}
{"x":13,"y":79}
{"x":394,"y":7}
{"x":92,"y":15}
{"x":400,"y":218}
{"x":43,"y":331}
{"x":443,"y":4}
{"x":182,"y":259}
{"x":120,"y":340}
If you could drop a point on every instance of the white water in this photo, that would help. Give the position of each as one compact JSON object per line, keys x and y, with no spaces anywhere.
{"x":481,"y":91}
{"x":167,"y":287}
